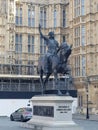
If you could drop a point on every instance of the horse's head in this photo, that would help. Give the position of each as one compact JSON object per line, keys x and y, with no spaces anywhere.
{"x":65,"y":51}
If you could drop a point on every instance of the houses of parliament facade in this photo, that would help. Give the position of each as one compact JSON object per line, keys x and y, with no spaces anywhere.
{"x":75,"y":21}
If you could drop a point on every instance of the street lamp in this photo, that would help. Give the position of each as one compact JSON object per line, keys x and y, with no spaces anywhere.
{"x":87,"y":107}
{"x":67,"y":84}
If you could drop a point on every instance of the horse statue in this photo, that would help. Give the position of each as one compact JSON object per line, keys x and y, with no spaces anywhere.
{"x":56,"y":65}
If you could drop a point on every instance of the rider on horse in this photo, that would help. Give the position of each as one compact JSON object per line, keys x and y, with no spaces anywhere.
{"x":52,"y":46}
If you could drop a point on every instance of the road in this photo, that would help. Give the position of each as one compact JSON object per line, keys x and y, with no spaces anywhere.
{"x":87,"y":124}
{"x":6,"y":124}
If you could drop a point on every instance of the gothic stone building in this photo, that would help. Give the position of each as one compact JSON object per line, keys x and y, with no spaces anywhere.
{"x":75,"y":21}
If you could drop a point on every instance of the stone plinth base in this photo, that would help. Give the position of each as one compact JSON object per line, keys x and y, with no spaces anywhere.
{"x":38,"y":125}
{"x":52,"y":113}
{"x":63,"y":128}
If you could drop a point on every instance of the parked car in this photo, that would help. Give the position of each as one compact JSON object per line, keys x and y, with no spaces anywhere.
{"x":22,"y":114}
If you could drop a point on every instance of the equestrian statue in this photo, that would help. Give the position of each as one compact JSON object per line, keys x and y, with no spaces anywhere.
{"x":54,"y":61}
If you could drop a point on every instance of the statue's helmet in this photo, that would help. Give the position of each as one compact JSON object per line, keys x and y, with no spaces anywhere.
{"x":51,"y":34}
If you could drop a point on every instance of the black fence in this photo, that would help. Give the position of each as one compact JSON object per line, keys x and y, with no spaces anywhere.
{"x":17,"y":95}
{"x":28,"y":95}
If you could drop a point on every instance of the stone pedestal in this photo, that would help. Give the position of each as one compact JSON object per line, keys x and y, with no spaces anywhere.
{"x":52,"y":113}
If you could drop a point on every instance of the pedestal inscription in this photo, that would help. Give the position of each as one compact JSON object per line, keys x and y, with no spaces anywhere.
{"x":63,"y":109}
{"x":47,"y":111}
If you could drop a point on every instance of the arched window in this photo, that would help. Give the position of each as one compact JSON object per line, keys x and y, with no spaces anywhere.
{"x":43,"y":17}
{"x":18,"y":43}
{"x":18,"y":16}
{"x":64,"y":18}
{"x":55,"y":18}
{"x":30,"y":44}
{"x":42,"y":46}
{"x":31,"y":16}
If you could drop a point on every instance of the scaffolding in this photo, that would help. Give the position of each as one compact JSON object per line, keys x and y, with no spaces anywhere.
{"x":13,"y":63}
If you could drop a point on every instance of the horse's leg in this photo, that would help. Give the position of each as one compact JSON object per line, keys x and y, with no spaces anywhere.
{"x":41,"y":80}
{"x":56,"y":82}
{"x":46,"y":80}
{"x":55,"y":78}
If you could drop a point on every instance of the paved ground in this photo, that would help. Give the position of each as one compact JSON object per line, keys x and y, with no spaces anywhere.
{"x":87,"y":124}
{"x":6,"y":124}
{"x":83,"y":117}
{"x":91,"y":124}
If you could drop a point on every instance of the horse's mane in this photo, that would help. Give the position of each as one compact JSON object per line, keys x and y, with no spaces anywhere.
{"x":67,"y":48}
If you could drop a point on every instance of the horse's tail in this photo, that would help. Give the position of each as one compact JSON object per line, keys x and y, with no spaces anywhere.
{"x":37,"y":70}
{"x":40,"y":65}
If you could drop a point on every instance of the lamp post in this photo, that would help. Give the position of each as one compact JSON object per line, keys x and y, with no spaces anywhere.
{"x":67,"y":84}
{"x":87,"y":107}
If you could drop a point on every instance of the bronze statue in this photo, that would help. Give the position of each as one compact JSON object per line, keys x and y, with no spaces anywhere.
{"x":54,"y":61}
{"x":52,"y":46}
